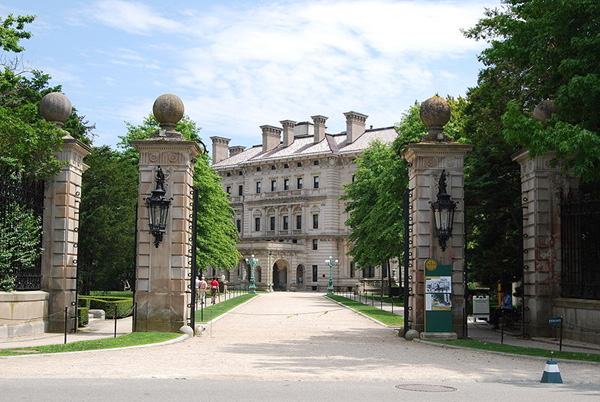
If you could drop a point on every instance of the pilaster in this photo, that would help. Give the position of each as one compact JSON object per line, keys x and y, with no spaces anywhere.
{"x":163,"y":272}
{"x":426,"y":162}
{"x":60,"y":232}
{"x":541,"y":187}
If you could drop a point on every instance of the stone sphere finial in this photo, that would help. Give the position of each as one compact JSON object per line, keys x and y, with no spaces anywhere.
{"x":168,"y":110}
{"x":544,"y":110}
{"x":55,"y":108}
{"x":435,"y":113}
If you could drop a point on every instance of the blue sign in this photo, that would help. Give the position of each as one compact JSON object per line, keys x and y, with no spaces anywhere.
{"x":555,"y":320}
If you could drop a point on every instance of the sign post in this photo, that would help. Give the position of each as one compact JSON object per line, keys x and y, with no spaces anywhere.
{"x":557,"y":321}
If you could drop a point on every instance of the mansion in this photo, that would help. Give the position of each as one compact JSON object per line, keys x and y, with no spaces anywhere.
{"x":286,"y":197}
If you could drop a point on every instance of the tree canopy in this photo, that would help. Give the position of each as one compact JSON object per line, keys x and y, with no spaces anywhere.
{"x":547,"y":50}
{"x":28,"y":141}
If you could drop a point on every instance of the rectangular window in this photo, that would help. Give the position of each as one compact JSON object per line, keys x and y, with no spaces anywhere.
{"x":352,"y":270}
{"x":228,"y":190}
{"x":238,"y":223}
{"x":272,"y":223}
{"x":258,"y":187}
{"x":315,"y":221}
{"x":298,"y":222}
{"x":273,"y":185}
{"x":286,"y":184}
{"x":299,"y":183}
{"x":315,"y":273}
{"x":315,"y":244}
{"x":316,"y":182}
{"x":257,"y":224}
{"x":240,"y":190}
{"x":369,"y":272}
{"x":384,"y":270}
{"x":285,"y":222}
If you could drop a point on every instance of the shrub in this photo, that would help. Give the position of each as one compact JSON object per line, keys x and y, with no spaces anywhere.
{"x":108,"y":303}
{"x":83,"y":316}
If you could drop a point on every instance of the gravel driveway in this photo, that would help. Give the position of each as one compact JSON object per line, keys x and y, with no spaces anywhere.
{"x":295,"y":336}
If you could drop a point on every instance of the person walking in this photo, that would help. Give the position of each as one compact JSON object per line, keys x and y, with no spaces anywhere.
{"x":214,"y":289}
{"x":202,"y":285}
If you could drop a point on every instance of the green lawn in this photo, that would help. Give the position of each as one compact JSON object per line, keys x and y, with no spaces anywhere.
{"x":212,"y":312}
{"x":498,"y":347}
{"x":132,"y":339}
{"x":383,"y":316}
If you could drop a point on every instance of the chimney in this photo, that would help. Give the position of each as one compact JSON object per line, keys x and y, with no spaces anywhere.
{"x":319,"y":127}
{"x":355,"y":125}
{"x":271,"y":137}
{"x":220,"y":149}
{"x":238,"y":149}
{"x":288,"y":132}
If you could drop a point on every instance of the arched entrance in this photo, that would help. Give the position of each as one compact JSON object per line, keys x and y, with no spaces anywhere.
{"x":300,"y":277}
{"x":280,"y":275}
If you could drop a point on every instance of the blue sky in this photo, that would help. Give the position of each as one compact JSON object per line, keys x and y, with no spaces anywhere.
{"x":238,"y":65}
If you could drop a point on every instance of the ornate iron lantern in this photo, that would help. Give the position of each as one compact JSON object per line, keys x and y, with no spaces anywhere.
{"x":158,"y":208}
{"x":443,"y":213}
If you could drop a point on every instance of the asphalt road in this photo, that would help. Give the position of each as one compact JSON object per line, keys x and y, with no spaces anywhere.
{"x":291,"y":346}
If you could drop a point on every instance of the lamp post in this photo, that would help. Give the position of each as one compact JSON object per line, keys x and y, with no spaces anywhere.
{"x":158,"y":208}
{"x":330,"y":263}
{"x":443,"y":213}
{"x":252,"y":262}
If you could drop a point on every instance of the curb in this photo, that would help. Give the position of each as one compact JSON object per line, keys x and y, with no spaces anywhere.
{"x":395,"y":328}
{"x":443,"y":345}
{"x":169,"y":342}
{"x":227,"y":312}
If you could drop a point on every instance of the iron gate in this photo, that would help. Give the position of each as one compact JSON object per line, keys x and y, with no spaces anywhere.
{"x":14,"y":190}
{"x":580,"y":247}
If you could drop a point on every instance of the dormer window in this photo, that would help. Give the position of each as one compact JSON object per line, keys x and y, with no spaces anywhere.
{"x":286,"y":166}
{"x":273,"y":167}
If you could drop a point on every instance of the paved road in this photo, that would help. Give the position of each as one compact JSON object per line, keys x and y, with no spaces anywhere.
{"x":290,"y":337}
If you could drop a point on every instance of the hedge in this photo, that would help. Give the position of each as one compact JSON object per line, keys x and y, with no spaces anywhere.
{"x":107,"y":303}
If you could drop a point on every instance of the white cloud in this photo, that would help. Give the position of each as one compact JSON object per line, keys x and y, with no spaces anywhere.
{"x":296,"y":59}
{"x":130,"y":16}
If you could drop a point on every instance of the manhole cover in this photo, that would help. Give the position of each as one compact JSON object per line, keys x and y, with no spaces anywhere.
{"x":425,"y":388}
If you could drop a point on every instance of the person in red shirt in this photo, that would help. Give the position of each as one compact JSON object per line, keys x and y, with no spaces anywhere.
{"x":214,"y":288}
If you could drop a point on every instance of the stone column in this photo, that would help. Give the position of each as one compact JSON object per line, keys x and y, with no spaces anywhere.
{"x":427,"y":159}
{"x":541,"y":186}
{"x":61,"y":218}
{"x":163,"y":272}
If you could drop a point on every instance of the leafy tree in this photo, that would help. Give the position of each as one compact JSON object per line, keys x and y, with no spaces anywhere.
{"x":107,"y":221}
{"x":217,"y":235}
{"x":12,"y":31}
{"x":375,"y":196}
{"x":548,"y":49}
{"x":27,"y":141}
{"x":19,"y":244}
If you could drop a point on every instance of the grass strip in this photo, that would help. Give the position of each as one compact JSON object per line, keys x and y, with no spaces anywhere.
{"x":132,"y":339}
{"x":519,"y":350}
{"x":382,"y":316}
{"x":212,"y":312}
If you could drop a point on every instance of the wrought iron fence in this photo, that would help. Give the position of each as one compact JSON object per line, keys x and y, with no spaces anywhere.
{"x":14,"y":190}
{"x":580,"y":247}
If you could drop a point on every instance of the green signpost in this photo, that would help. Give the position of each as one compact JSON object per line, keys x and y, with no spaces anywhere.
{"x":438,"y":300}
